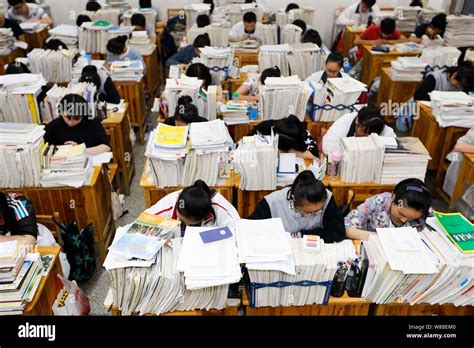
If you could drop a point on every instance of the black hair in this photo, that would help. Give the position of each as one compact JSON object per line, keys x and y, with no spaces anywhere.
{"x":371,"y":120}
{"x":439,"y":21}
{"x":138,"y":20}
{"x":194,"y":202}
{"x":8,"y":213}
{"x":335,"y":57}
{"x":55,"y":45}
{"x":93,"y":6}
{"x":388,"y":25}
{"x":210,"y":2}
{"x":465,"y":75}
{"x":269,"y":72}
{"x":369,"y":3}
{"x":185,"y":100}
{"x":291,"y":134}
{"x":306,"y":188}
{"x":291,"y":6}
{"x":144,"y":3}
{"x":14,"y":2}
{"x":202,"y":40}
{"x":82,"y":19}
{"x":117,"y":45}
{"x":75,"y":103}
{"x":89,"y":69}
{"x":415,"y":3}
{"x":188,"y":113}
{"x":312,"y":36}
{"x":17,"y":68}
{"x":300,"y":23}
{"x":414,"y":194}
{"x":250,"y":17}
{"x":203,"y":21}
{"x":200,"y":71}
{"x":91,"y":78}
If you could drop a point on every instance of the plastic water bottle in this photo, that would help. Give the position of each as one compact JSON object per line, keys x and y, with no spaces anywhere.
{"x":235,"y":96}
{"x":347,"y":66}
{"x":339,"y":281}
{"x":333,"y":165}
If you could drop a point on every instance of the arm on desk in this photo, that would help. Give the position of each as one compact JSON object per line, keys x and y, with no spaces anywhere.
{"x":357,"y":234}
{"x":96,"y":150}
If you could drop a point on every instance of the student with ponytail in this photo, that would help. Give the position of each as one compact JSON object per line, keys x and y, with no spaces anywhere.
{"x":17,"y":219}
{"x":118,"y":50}
{"x":305,"y":207}
{"x":197,"y":205}
{"x":408,"y":205}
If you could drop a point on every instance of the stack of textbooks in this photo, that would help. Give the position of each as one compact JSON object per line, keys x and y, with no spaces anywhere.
{"x":141,"y":42}
{"x":127,"y":70}
{"x":220,"y":59}
{"x":20,"y":275}
{"x":93,"y":36}
{"x":218,"y":35}
{"x":304,"y":59}
{"x":274,"y":55}
{"x":305,"y":14}
{"x":65,"y":165}
{"x":440,"y":56}
{"x":110,"y":15}
{"x":408,"y":47}
{"x":256,"y":160}
{"x":235,"y":112}
{"x":6,"y":41}
{"x":460,"y":31}
{"x":407,"y":69}
{"x":192,"y":11}
{"x":427,"y":14}
{"x":269,"y":34}
{"x":55,"y":66}
{"x":291,"y":34}
{"x":20,"y":154}
{"x":69,"y":34}
{"x":407,"y":17}
{"x":453,"y":108}
{"x":428,"y":42}
{"x":235,"y":11}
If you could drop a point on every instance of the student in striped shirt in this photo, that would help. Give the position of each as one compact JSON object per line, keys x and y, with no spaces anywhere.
{"x":17,"y":219}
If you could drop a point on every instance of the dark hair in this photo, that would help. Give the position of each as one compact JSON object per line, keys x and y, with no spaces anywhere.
{"x":194,"y":202}
{"x":465,"y":75}
{"x":335,"y":57}
{"x":306,"y":188}
{"x":312,"y":36}
{"x":250,"y":17}
{"x":291,"y":134}
{"x":388,"y":25}
{"x":55,"y":45}
{"x":93,"y":6}
{"x":371,"y":119}
{"x":91,"y":78}
{"x":138,"y":20}
{"x":14,"y":2}
{"x":415,"y":3}
{"x":291,"y":6}
{"x":202,"y":40}
{"x":414,"y":193}
{"x":144,"y":3}
{"x":17,"y":68}
{"x":300,"y":23}
{"x":200,"y":71}
{"x":188,"y":113}
{"x":203,"y":21}
{"x":76,"y":103}
{"x":117,"y":45}
{"x":210,"y":2}
{"x":89,"y":69}
{"x":439,"y":21}
{"x":369,"y":3}
{"x":185,"y":100}
{"x":82,"y":19}
{"x":269,"y":72}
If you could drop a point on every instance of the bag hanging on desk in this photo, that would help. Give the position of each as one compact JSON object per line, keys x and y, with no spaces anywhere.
{"x":79,"y":248}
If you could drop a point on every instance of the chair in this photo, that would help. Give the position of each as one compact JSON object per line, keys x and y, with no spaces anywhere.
{"x":48,"y":221}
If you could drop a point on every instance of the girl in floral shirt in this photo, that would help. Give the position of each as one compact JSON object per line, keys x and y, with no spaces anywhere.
{"x":408,"y":205}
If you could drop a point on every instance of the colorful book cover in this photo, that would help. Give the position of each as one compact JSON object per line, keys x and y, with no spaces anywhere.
{"x":170,"y":136}
{"x":458,"y":229}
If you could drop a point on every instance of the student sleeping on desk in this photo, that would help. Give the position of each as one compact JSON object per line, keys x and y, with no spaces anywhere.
{"x":408,"y":206}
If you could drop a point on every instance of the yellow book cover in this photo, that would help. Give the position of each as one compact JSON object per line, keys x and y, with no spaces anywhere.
{"x":170,"y":136}
{"x":33,"y":108}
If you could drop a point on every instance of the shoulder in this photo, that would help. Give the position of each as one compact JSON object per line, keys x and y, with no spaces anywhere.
{"x":54,"y":124}
{"x":345,"y":120}
{"x":170,"y":121}
{"x":352,"y":7}
{"x":164,"y":205}
{"x":219,"y":202}
{"x":238,"y":25}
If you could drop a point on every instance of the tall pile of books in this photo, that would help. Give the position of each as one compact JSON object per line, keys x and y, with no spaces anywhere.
{"x":127,"y":70}
{"x":291,"y":34}
{"x":69,"y":34}
{"x":427,"y":14}
{"x":20,"y":275}
{"x":20,"y":153}
{"x":407,"y":17}
{"x":304,"y":59}
{"x":235,"y":12}
{"x":269,"y":34}
{"x":192,"y":11}
{"x":460,"y":31}
{"x":141,"y":42}
{"x":218,"y":35}
{"x":274,"y":55}
{"x":453,"y":108}
{"x":93,"y":36}
{"x":407,"y":69}
{"x":283,"y":96}
{"x":65,"y":165}
{"x":55,"y":66}
{"x":219,"y":59}
{"x":306,"y":14}
{"x":235,"y":112}
{"x":6,"y":41}
{"x":256,"y":160}
{"x":440,"y":56}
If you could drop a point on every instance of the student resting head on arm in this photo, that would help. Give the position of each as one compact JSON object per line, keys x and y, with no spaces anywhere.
{"x":105,"y":86}
{"x":75,"y":127}
{"x":408,"y":205}
{"x":186,"y":112}
{"x":185,"y":55}
{"x":23,"y":12}
{"x":197,"y":205}
{"x":18,"y":219}
{"x":436,"y":27}
{"x":357,"y":124}
{"x":118,"y":50}
{"x":305,"y":207}
{"x":249,"y":89}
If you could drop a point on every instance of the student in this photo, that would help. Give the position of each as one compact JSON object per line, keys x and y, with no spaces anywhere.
{"x":248,"y":29}
{"x":82,"y":19}
{"x":22,"y":12}
{"x":358,"y":13}
{"x":436,"y":27}
{"x":186,"y":112}
{"x":197,"y":205}
{"x":105,"y":86}
{"x":455,"y":78}
{"x":357,"y":124}
{"x":312,"y":36}
{"x":465,"y":144}
{"x":416,"y":3}
{"x":16,"y":68}
{"x":385,"y":33}
{"x":55,"y":45}
{"x":139,"y":22}
{"x":408,"y":206}
{"x":333,"y":69}
{"x":74,"y":126}
{"x":305,"y":207}
{"x":14,"y":26}
{"x":291,"y":6}
{"x":188,"y":53}
{"x":18,"y":219}
{"x":93,"y":6}
{"x":300,"y":24}
{"x":202,"y":72}
{"x":249,"y":89}
{"x":293,"y":136}
{"x":118,"y":50}
{"x":202,"y":21}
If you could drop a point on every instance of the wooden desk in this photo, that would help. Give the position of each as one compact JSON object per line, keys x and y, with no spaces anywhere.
{"x":160,"y":32}
{"x":117,"y":127}
{"x":242,"y":58}
{"x":86,"y":204}
{"x":373,"y":62}
{"x":228,"y":311}
{"x":437,"y":140}
{"x":134,"y":94}
{"x":36,"y":40}
{"x":423,"y":309}
{"x":232,"y":85}
{"x":465,"y":178}
{"x":4,"y":60}
{"x":48,"y":288}
{"x":151,"y":77}
{"x":154,"y":194}
{"x":350,"y":34}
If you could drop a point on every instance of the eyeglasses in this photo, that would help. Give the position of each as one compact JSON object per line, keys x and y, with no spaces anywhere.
{"x":332,"y":72}
{"x":302,"y":214}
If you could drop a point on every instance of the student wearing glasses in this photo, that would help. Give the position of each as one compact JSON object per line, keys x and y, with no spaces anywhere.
{"x":332,"y":70}
{"x":305,"y":207}
{"x":74,"y":126}
{"x":357,"y":124}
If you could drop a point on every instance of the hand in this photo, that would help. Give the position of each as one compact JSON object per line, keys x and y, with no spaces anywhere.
{"x":430,"y":33}
{"x":70,"y":143}
{"x":245,"y":37}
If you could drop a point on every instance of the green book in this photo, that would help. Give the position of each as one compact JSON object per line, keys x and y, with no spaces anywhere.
{"x":458,"y":229}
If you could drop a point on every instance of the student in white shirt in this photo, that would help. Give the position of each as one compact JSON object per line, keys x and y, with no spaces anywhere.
{"x":197,"y":205}
{"x":333,"y":69}
{"x":367,"y":121}
{"x":22,"y":12}
{"x":358,"y":13}
{"x":248,"y":29}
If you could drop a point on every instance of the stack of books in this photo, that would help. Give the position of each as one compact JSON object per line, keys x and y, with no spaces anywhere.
{"x":453,"y":108}
{"x":407,"y":69}
{"x":218,"y":35}
{"x":407,"y":17}
{"x":235,"y":112}
{"x":304,"y":59}
{"x":141,"y":42}
{"x":428,"y":42}
{"x":6,"y":41}
{"x":69,"y":34}
{"x":55,"y":66}
{"x":291,"y":34}
{"x":150,"y":15}
{"x":192,"y":11}
{"x":20,"y":153}
{"x":306,"y":14}
{"x":440,"y":56}
{"x":235,"y":12}
{"x":274,"y":55}
{"x":269,"y":34}
{"x":427,"y":14}
{"x":93,"y":36}
{"x":127,"y":70}
{"x":407,"y":47}
{"x":460,"y":31}
{"x":217,"y":58}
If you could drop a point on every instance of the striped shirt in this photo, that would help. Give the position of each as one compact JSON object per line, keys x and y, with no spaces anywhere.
{"x":24,"y":214}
